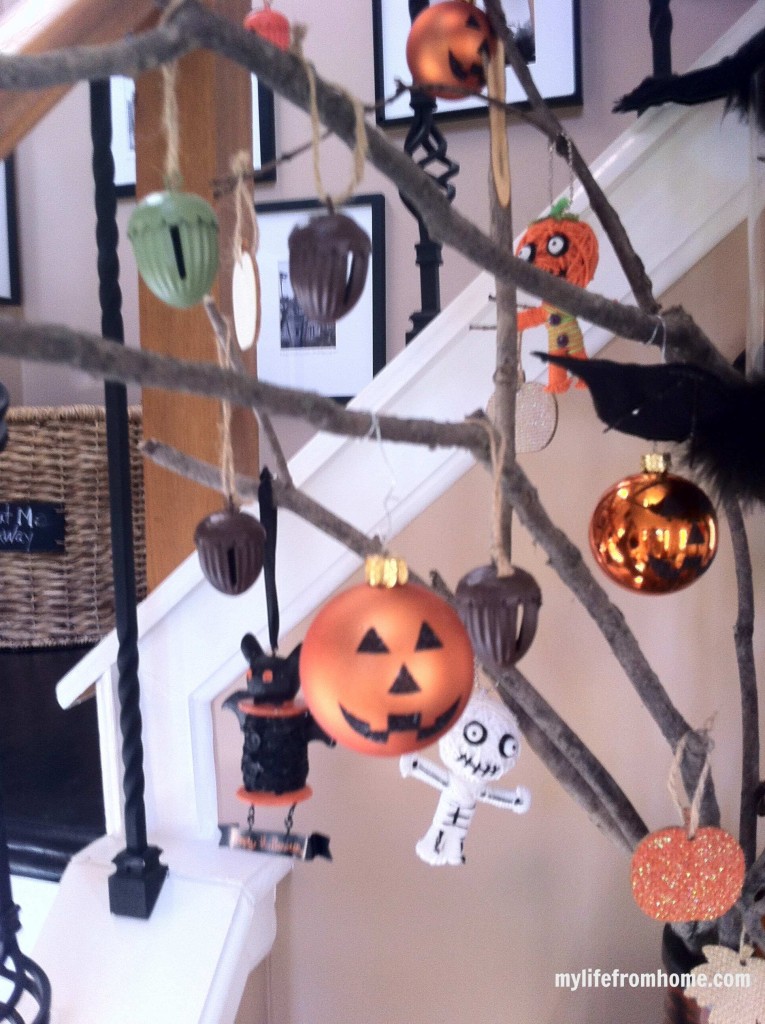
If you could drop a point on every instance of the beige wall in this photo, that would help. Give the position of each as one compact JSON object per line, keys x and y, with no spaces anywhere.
{"x":376,"y":936}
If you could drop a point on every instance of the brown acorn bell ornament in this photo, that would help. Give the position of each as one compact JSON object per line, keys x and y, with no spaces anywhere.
{"x":329,"y":258}
{"x":230,"y":545}
{"x":654,"y":533}
{"x":500,"y":613}
{"x":446,"y":48}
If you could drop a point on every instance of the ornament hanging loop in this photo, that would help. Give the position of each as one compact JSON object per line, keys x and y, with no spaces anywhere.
{"x":360,"y":147}
{"x":690,"y":813}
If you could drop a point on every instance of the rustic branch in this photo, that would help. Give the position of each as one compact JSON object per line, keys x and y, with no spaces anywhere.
{"x":747,"y":672}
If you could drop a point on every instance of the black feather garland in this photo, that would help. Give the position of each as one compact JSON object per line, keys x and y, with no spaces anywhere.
{"x":731,"y":79}
{"x":719,"y":423}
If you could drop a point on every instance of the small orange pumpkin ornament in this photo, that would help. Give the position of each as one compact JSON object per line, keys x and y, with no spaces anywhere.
{"x":446,"y":47}
{"x":269,"y":25}
{"x":566,"y":247}
{"x":676,"y":877}
{"x":386,"y":667}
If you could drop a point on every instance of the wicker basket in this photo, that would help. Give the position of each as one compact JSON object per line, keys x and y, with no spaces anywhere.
{"x":59,"y":455}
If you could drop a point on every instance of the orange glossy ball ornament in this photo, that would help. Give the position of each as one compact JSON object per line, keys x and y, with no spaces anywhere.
{"x":676,"y":877}
{"x":270,"y":25}
{"x":386,"y":667}
{"x":654,"y":533}
{"x":446,"y":47}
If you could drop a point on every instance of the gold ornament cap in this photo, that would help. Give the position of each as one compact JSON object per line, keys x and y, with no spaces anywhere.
{"x":656,"y":462}
{"x":384,"y":571}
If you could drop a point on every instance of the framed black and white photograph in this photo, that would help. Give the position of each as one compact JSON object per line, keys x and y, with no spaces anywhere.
{"x":123,"y":133}
{"x":10,"y":281}
{"x":547,"y":32}
{"x":336,"y":360}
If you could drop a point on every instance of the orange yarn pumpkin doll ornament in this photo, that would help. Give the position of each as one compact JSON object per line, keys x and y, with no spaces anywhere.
{"x":567,"y":247}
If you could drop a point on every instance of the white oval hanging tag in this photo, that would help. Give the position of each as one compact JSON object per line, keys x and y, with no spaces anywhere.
{"x":245,"y":288}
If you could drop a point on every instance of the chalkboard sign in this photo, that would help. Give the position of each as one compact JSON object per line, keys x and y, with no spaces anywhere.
{"x":32,"y":526}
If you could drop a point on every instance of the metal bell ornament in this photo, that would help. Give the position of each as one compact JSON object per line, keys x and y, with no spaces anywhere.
{"x":175,"y":239}
{"x":328,"y":263}
{"x":654,"y":533}
{"x":231,"y":546}
{"x":500,"y":613}
{"x":269,"y":25}
{"x":446,"y":48}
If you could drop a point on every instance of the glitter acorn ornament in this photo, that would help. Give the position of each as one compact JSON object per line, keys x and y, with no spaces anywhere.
{"x":386,"y":667}
{"x":175,"y":240}
{"x":446,"y":48}
{"x":269,"y":25}
{"x":654,"y":533}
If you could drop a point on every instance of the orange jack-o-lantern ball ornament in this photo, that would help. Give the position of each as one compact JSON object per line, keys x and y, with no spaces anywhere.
{"x":386,"y":667}
{"x":269,"y":25}
{"x":654,"y":533}
{"x":446,"y":49}
{"x":677,"y":877}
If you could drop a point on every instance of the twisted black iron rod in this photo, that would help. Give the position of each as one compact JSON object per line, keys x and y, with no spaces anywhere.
{"x":660,"y":27}
{"x":134,"y":887}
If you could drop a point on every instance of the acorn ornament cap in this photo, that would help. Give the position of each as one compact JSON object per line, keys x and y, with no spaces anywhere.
{"x":175,"y":240}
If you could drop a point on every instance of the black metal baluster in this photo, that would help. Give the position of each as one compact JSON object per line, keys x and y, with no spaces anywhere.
{"x":135,"y":886}
{"x":24,"y":974}
{"x":660,"y":27}
{"x":424,"y":135}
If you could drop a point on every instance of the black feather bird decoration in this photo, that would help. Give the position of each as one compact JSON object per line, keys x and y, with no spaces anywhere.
{"x":731,"y":79}
{"x":719,"y":421}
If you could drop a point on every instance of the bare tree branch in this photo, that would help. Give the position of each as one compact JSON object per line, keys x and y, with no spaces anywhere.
{"x":747,"y":673}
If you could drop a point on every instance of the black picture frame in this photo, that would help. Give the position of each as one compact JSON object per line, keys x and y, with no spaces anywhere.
{"x":122,"y":93}
{"x":556,"y":67}
{"x":334,"y":365}
{"x":10,"y":272}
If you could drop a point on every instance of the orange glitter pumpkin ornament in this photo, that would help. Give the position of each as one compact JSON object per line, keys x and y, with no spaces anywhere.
{"x":677,"y":877}
{"x":386,"y":667}
{"x":566,"y":247}
{"x":446,"y":48}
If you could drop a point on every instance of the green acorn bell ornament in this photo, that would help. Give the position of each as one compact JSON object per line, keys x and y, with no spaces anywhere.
{"x":175,"y":239}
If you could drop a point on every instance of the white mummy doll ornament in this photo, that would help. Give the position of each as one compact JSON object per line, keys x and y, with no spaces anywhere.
{"x":481,"y":747}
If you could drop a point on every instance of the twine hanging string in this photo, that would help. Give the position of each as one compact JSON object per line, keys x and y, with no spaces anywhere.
{"x":498,"y":450}
{"x":227,"y":470}
{"x":360,"y":148}
{"x":244,"y":207}
{"x":171,"y":124}
{"x":676,"y":786}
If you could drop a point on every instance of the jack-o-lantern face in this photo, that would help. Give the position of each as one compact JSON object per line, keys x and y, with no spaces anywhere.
{"x":562,"y":245}
{"x":386,"y":671}
{"x":446,"y":48}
